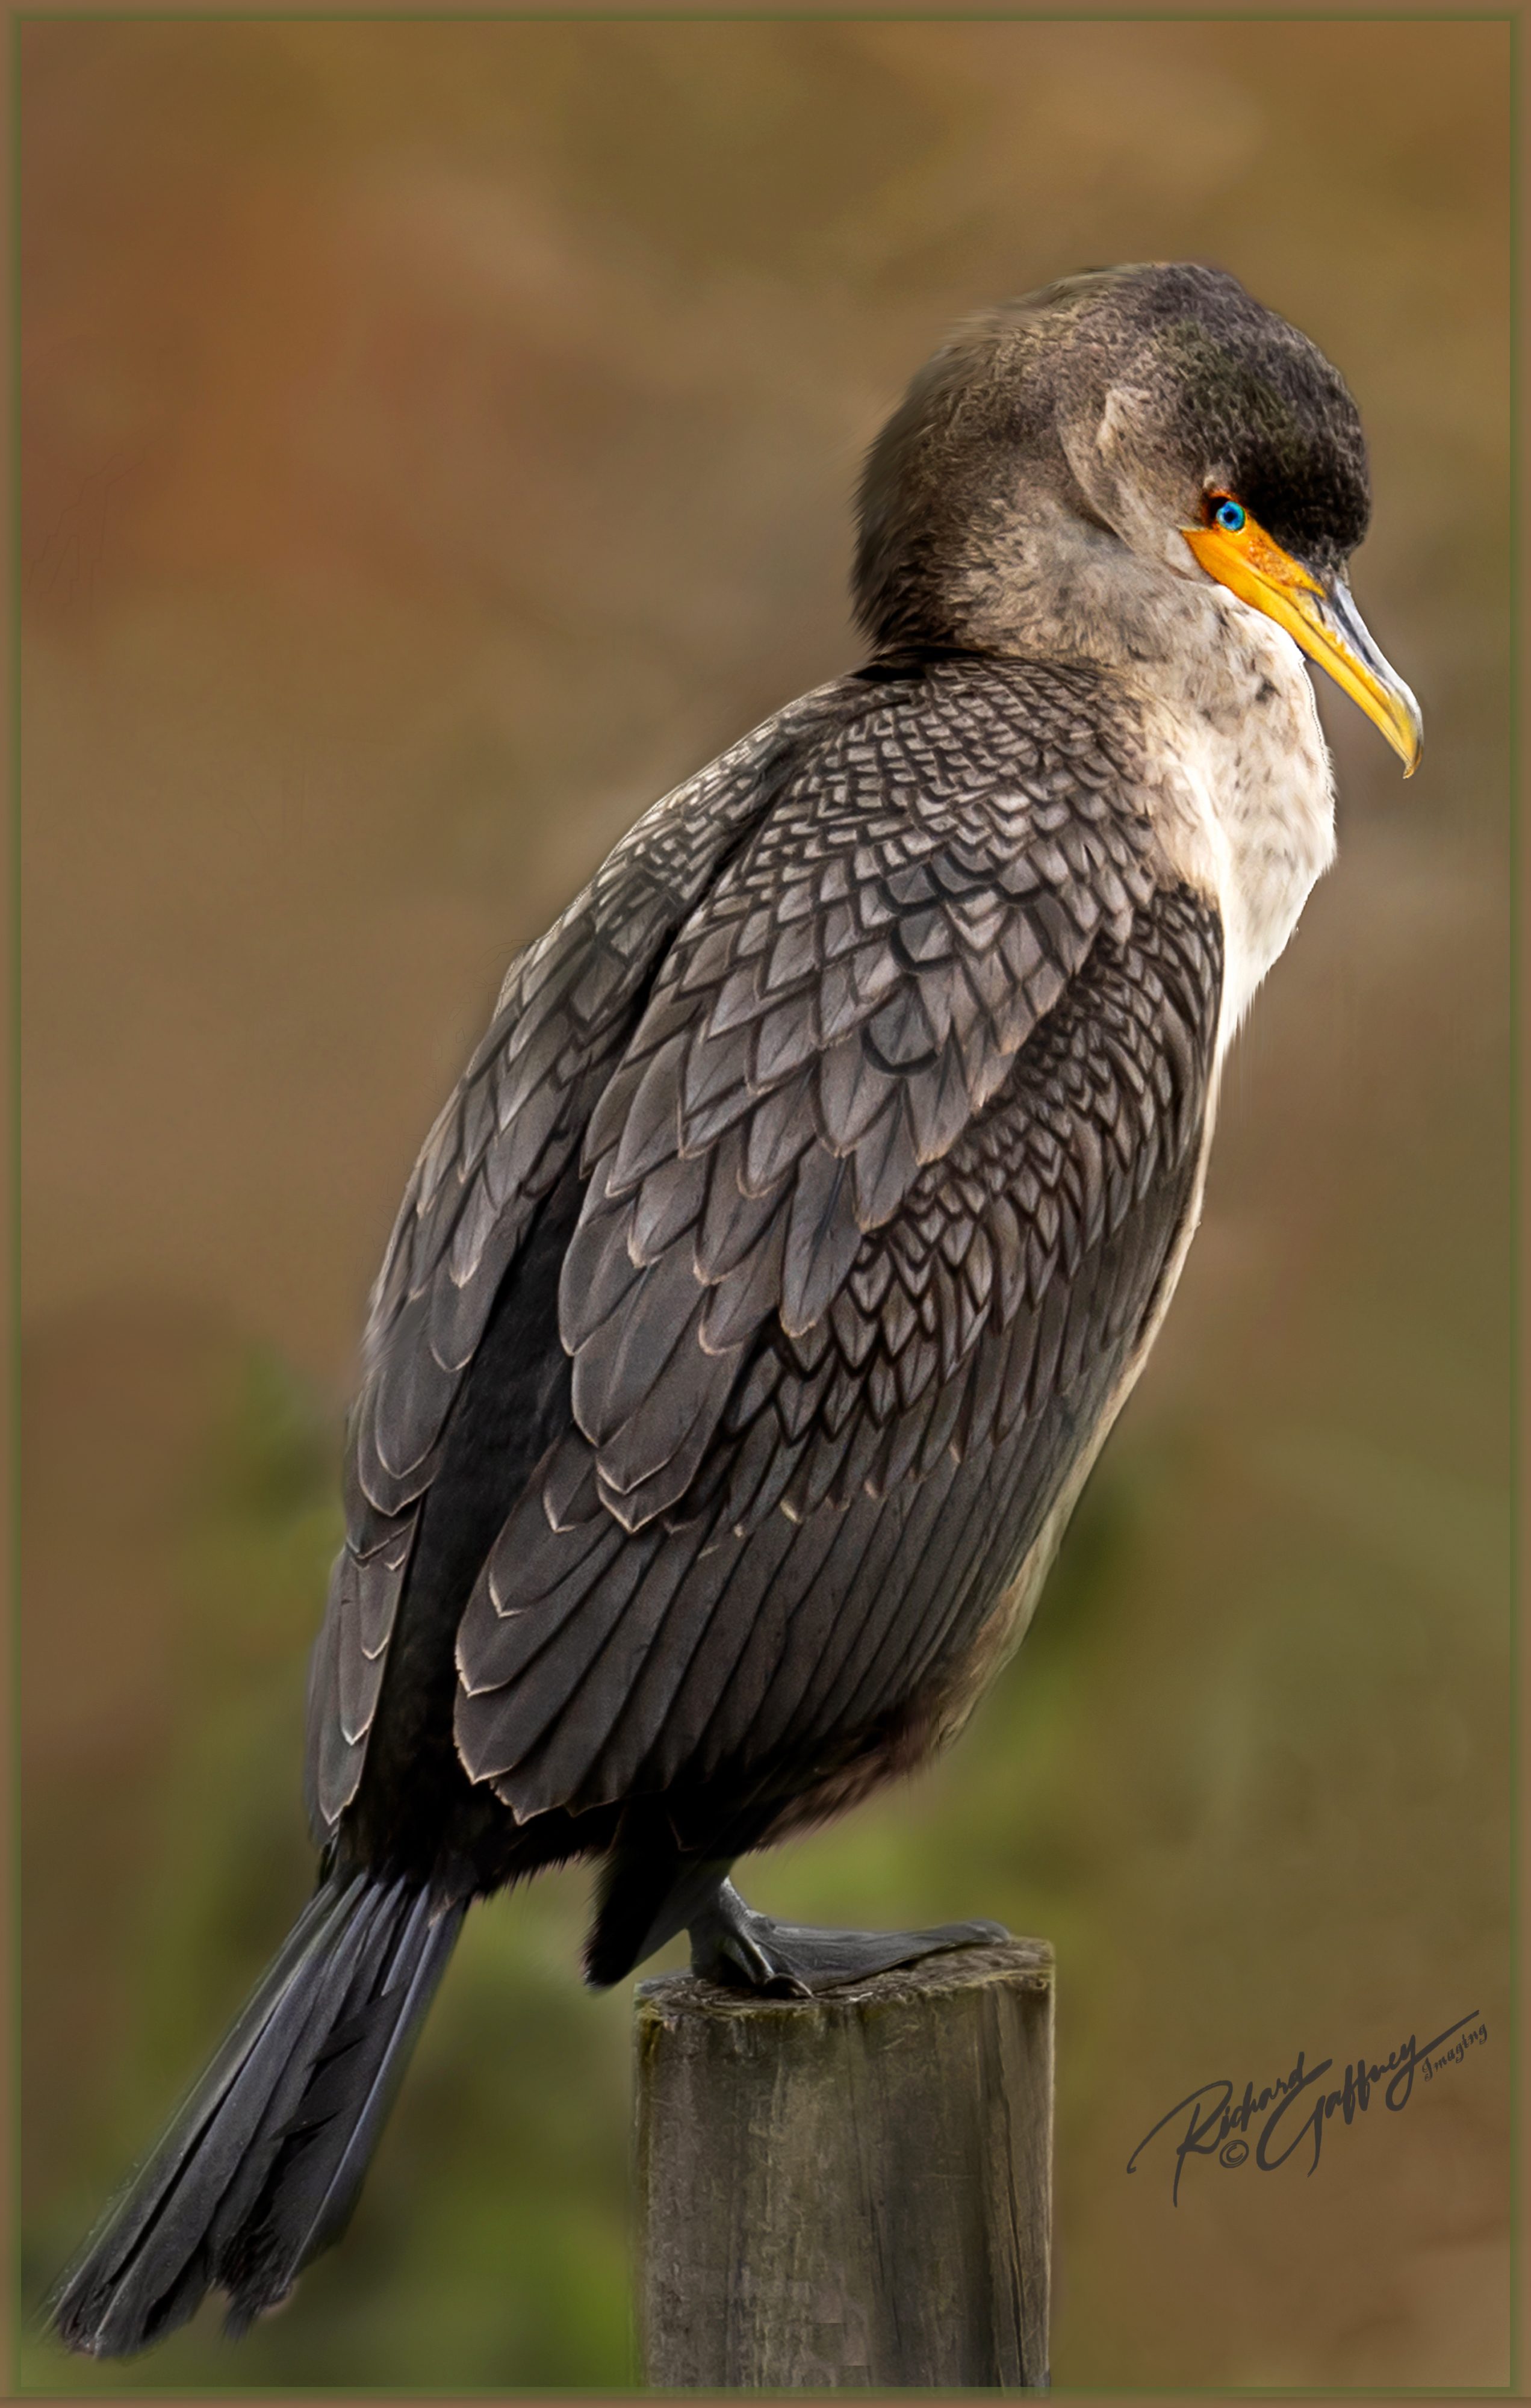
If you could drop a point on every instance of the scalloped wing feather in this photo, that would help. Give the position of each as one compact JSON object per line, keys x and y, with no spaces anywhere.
{"x":938,"y":1198}
{"x":496,"y":1150}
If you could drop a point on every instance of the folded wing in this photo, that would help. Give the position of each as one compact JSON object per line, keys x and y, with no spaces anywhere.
{"x":510,"y":1130}
{"x":880,"y":1193}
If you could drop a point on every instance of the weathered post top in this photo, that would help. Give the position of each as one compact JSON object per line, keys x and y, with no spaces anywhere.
{"x":849,"y":2189}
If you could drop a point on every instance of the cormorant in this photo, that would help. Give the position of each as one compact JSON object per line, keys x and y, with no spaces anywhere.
{"x":765,"y":1290}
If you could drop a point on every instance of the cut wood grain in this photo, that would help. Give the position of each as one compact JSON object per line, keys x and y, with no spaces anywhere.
{"x":850,"y":2189}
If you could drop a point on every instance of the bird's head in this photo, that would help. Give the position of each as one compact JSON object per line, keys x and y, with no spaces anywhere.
{"x":1099,"y":443}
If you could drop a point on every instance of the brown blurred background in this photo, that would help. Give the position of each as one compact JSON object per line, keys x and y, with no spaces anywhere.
{"x":437,"y":440}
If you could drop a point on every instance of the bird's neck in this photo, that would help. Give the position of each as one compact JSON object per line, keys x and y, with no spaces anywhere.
{"x":1045,"y":583}
{"x":1245,"y":809}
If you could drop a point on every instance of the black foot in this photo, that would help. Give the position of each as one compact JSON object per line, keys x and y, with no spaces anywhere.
{"x":733,"y":1945}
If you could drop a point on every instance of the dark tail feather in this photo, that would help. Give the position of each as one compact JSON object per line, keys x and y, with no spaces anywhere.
{"x":260,"y":2170}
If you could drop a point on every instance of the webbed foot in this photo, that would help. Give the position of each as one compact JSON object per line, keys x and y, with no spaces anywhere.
{"x":733,"y":1945}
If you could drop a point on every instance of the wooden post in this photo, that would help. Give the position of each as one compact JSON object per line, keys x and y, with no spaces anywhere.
{"x":852,"y":2190}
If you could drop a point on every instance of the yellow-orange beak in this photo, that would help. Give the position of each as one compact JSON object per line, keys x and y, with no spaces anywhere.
{"x":1324,"y":620}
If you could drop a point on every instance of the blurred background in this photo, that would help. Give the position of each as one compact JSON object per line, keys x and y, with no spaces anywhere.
{"x":437,"y":440}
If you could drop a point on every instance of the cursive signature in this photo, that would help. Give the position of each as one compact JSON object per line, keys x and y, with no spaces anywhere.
{"x":1294,"y":2108}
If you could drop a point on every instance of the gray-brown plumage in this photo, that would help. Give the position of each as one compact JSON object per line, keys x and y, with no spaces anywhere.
{"x":766,"y":1287}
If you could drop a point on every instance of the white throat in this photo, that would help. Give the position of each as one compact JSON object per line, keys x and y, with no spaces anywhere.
{"x":1244,"y":808}
{"x":1253,"y":824}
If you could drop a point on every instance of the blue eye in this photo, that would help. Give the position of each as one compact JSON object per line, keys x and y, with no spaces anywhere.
{"x":1229,"y":516}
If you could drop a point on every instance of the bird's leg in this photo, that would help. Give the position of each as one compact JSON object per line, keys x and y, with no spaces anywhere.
{"x":733,"y":1945}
